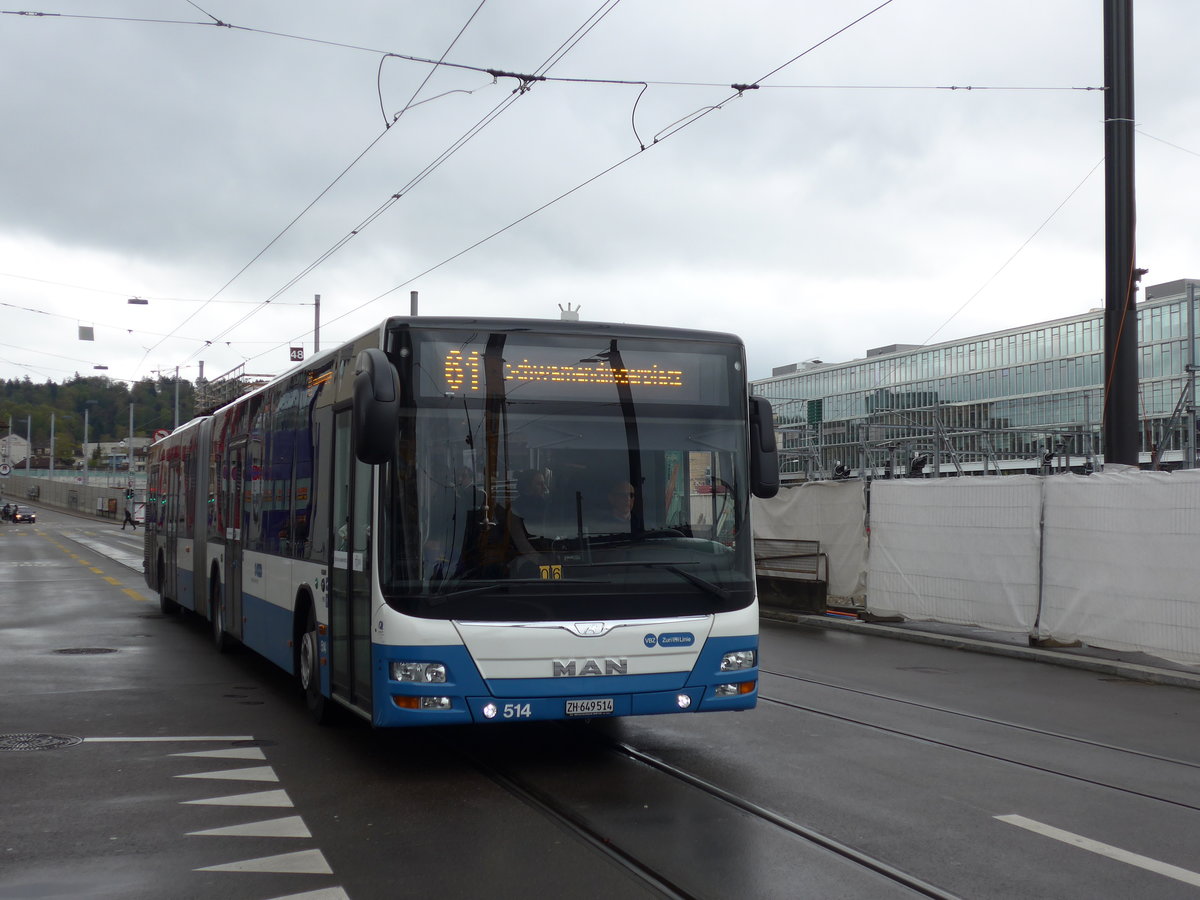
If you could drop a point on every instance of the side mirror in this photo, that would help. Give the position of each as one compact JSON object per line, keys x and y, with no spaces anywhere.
{"x":376,"y":407}
{"x":764,"y":457}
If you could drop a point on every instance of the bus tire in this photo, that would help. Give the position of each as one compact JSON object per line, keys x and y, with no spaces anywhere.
{"x":168,"y":607}
{"x":309,"y":672}
{"x":216,"y":616}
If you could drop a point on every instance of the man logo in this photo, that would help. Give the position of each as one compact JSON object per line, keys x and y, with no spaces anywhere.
{"x":571,"y":668}
{"x":589,"y":629}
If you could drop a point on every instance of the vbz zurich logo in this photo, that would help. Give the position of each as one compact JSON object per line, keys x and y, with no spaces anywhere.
{"x":650,"y":640}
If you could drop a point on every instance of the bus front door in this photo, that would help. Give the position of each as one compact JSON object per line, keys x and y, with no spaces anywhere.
{"x":350,"y":585}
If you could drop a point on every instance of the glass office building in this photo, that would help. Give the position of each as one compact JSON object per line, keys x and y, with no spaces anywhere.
{"x":1026,"y":399}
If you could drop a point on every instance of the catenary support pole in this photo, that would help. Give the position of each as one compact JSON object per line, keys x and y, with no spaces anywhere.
{"x":1122,"y":440}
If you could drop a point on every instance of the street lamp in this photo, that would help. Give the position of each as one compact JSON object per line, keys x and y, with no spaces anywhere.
{"x":87,"y":408}
{"x":52,"y":443}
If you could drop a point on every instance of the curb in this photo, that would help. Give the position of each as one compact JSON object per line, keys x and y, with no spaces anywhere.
{"x":1132,"y":671}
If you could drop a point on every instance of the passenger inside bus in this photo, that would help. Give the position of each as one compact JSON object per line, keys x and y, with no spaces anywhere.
{"x":532,"y":502}
{"x":618,"y":506}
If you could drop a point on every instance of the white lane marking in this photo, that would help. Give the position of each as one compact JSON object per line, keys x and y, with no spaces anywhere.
{"x":254,"y":773}
{"x":303,"y":862}
{"x":333,"y":893}
{"x":287,"y":827}
{"x":212,"y":738}
{"x":261,"y":798}
{"x":116,"y":554}
{"x":234,"y":753}
{"x":1125,"y":856}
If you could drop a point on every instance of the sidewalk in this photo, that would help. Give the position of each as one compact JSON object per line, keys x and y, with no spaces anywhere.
{"x":1135,"y":666}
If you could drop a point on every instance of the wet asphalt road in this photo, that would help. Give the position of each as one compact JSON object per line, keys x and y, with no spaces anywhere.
{"x":195,"y":774}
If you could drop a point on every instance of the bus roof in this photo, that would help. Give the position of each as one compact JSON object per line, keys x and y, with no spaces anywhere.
{"x":560,"y":326}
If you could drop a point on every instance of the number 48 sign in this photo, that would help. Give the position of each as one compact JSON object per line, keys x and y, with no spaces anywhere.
{"x":296,"y":354}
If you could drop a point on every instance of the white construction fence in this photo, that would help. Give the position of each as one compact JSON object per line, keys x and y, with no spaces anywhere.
{"x":1112,"y":560}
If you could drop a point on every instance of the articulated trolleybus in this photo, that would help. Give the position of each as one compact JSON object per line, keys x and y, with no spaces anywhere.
{"x":480,"y":520}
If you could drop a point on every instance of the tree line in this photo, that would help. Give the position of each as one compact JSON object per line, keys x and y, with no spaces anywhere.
{"x":29,"y":407}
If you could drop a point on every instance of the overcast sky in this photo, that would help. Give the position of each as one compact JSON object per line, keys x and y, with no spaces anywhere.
{"x":848,"y":203}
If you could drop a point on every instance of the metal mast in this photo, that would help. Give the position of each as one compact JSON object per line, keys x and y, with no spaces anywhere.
{"x":1122,"y":440}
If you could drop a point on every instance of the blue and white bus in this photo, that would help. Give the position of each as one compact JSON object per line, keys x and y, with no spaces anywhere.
{"x":455,"y":520}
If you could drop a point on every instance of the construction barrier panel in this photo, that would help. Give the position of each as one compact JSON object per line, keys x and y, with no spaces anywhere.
{"x":831,"y":512}
{"x":963,"y":551}
{"x":1122,"y":562}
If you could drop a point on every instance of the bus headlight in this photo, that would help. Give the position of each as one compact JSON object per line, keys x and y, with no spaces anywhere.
{"x":739,"y":659}
{"x":734,"y":690}
{"x":419,"y":672}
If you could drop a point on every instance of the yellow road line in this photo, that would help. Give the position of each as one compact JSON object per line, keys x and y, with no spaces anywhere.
{"x":116,"y":582}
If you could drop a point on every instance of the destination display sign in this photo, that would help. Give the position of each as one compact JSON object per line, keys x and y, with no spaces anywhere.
{"x":574,"y":371}
{"x":463,"y":372}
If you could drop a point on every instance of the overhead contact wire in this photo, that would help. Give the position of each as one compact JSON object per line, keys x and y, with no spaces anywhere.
{"x":670,"y":131}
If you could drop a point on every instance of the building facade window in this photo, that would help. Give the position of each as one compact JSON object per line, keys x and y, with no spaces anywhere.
{"x":988,"y":403}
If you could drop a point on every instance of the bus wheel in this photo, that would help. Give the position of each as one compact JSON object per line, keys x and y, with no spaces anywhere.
{"x":216,"y":615}
{"x":309,"y":672}
{"x":168,"y":607}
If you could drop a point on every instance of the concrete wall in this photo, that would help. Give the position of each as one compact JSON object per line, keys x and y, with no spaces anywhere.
{"x":67,"y":495}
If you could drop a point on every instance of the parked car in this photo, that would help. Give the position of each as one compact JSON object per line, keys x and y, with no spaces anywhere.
{"x":23,"y":514}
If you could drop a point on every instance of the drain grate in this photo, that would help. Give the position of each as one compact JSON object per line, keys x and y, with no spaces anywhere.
{"x":37,"y":741}
{"x":85,"y":651}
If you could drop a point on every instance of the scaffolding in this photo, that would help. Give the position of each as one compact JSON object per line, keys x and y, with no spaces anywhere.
{"x":212,"y":394}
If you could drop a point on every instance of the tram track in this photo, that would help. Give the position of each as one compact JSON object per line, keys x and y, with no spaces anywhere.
{"x":988,"y":720}
{"x":803,"y":832}
{"x":622,"y":850}
{"x":577,"y":825}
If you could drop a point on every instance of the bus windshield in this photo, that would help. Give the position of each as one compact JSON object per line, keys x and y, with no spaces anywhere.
{"x":566,"y":480}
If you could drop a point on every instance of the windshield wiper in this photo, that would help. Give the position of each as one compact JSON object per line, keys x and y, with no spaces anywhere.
{"x":673,"y":568}
{"x":446,"y":596}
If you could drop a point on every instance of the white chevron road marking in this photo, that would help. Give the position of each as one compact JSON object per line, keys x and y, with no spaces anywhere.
{"x":253,"y":773}
{"x":260,"y":798}
{"x":232,"y":753}
{"x":303,"y":862}
{"x":287,"y":827}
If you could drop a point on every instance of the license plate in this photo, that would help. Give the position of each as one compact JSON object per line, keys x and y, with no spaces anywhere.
{"x":594,"y":707}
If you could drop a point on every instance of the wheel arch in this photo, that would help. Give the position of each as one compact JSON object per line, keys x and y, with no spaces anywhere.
{"x":160,"y":572}
{"x":215,"y":583}
{"x":300,"y":609}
